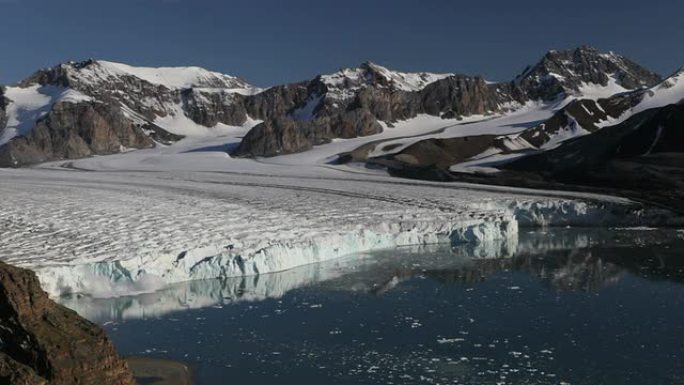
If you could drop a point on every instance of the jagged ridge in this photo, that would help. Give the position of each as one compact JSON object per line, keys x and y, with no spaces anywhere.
{"x":118,"y":106}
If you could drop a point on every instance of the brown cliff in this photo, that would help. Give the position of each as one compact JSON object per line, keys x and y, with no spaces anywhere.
{"x":42,"y":342}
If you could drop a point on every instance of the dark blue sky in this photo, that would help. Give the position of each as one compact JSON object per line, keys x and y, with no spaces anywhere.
{"x":277,"y":41}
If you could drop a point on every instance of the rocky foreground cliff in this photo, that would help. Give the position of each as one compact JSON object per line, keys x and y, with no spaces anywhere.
{"x":42,"y":343}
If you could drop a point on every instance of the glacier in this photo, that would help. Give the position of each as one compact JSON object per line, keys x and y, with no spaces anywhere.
{"x":491,"y":234}
{"x":113,"y":233}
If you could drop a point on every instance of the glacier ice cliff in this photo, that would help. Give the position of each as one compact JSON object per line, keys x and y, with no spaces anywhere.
{"x":492,"y":235}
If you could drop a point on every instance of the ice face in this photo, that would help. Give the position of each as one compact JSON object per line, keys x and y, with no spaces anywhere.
{"x":494,"y":236}
{"x":381,"y":271}
{"x":489,"y":235}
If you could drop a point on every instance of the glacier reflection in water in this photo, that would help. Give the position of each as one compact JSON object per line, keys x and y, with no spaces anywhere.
{"x":218,"y":292}
{"x":574,"y":265}
{"x":567,"y":306}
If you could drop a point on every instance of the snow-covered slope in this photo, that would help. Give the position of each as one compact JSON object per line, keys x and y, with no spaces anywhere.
{"x":93,"y":73}
{"x":28,"y":104}
{"x":169,"y":77}
{"x":578,"y":117}
{"x":592,"y":114}
{"x":670,"y":91}
{"x":595,"y":91}
{"x":346,"y":82}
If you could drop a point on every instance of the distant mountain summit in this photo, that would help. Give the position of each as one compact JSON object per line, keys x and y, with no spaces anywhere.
{"x":373,"y":75}
{"x":583,"y":71}
{"x":91,"y":73}
{"x":79,"y":109}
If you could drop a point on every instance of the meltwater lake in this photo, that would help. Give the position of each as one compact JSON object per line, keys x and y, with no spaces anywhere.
{"x":567,"y":306}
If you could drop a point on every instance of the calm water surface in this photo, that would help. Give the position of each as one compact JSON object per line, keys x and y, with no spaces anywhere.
{"x":560,"y":307}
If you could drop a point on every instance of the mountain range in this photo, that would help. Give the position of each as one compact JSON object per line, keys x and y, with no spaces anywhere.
{"x":560,"y":121}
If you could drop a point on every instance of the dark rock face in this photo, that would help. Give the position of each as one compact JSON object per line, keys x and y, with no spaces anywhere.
{"x":3,"y":105}
{"x":385,"y":104}
{"x":74,"y":130}
{"x":346,"y":125}
{"x":44,"y":343}
{"x":280,"y":101}
{"x":274,"y":137}
{"x":373,"y":98}
{"x":565,"y":71}
{"x":461,"y":96}
{"x":15,"y":373}
{"x":209,"y":108}
{"x":284,"y":135}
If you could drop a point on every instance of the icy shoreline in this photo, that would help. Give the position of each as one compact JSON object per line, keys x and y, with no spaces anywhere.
{"x":493,"y":235}
{"x":389,"y":267}
{"x":488,"y":235}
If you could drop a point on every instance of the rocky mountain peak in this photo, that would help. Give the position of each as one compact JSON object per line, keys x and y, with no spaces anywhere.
{"x":346,"y":82}
{"x":676,"y":79}
{"x":91,"y":74}
{"x":583,"y":70}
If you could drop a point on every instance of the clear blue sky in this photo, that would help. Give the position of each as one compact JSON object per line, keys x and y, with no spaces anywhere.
{"x":276,"y":41}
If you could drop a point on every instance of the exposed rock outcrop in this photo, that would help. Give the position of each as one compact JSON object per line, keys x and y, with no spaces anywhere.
{"x":353,"y":102}
{"x":640,"y":158}
{"x":566,"y":71}
{"x":150,"y":93}
{"x":651,"y":132}
{"x":458,"y":96}
{"x":580,"y":114}
{"x":75,"y":130}
{"x":284,"y":135}
{"x":281,"y":100}
{"x":3,"y":105}
{"x":44,"y":343}
{"x":211,"y":107}
{"x":276,"y":136}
